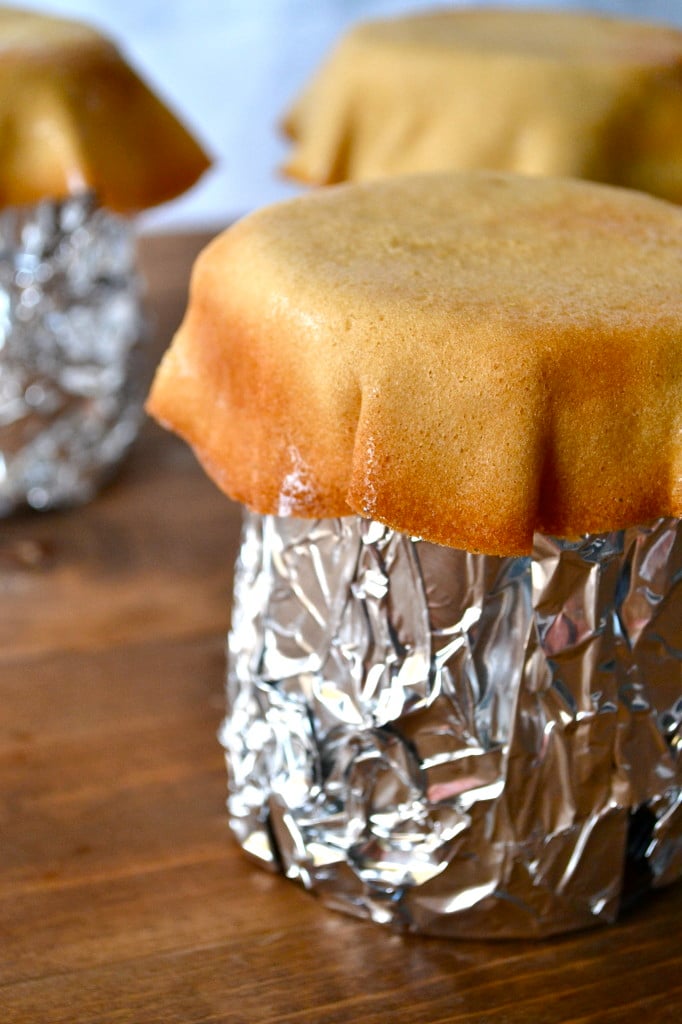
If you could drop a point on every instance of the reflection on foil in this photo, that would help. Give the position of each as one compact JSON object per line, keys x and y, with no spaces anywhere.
{"x":453,"y":743}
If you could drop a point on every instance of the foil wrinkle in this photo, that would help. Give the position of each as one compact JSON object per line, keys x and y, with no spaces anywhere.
{"x":458,"y":744}
{"x":73,"y":351}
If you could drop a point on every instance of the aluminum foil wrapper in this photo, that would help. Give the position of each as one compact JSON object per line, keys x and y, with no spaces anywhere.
{"x":73,"y":351}
{"x":458,"y":744}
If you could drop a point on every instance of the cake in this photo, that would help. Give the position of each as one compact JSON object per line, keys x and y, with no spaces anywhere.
{"x":567,"y":93}
{"x":468,"y":358}
{"x":451,"y":404}
{"x":85,"y":145}
{"x":77,"y":117}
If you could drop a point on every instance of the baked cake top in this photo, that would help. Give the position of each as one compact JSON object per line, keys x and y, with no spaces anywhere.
{"x":76,"y":116}
{"x":534,"y":91}
{"x":466,"y":357}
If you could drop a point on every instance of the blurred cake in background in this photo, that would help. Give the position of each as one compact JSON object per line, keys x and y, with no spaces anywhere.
{"x":84,"y":143}
{"x":532,"y":91}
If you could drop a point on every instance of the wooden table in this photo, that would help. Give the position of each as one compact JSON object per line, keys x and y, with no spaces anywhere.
{"x":122,"y":896}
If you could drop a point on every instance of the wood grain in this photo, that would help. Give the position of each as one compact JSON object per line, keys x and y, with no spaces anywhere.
{"x":123,"y":899}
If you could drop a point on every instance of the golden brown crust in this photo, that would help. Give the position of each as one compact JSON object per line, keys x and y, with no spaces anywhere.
{"x":562,"y":93}
{"x":74,"y":115}
{"x":469,"y":358}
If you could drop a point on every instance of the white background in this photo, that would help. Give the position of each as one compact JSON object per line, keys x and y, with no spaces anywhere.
{"x":230,"y":68}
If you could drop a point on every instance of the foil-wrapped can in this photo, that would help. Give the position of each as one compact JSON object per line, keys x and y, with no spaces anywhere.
{"x":458,"y":744}
{"x":73,"y":351}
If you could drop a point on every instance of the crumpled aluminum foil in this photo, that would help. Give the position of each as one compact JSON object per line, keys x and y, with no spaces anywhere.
{"x":458,"y":744}
{"x":73,"y":350}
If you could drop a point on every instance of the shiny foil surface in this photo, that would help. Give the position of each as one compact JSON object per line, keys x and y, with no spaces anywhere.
{"x":73,"y":351}
{"x":458,"y":744}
